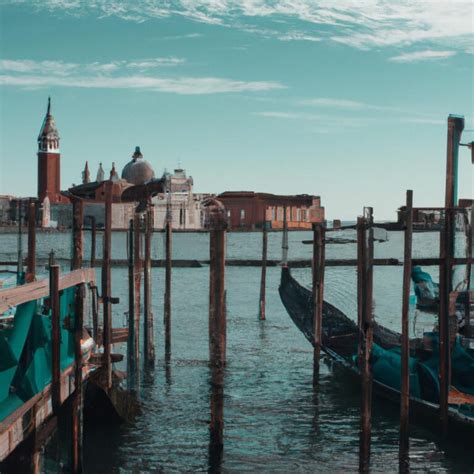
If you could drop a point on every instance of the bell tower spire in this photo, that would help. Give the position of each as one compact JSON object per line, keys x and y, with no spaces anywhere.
{"x":49,"y":178}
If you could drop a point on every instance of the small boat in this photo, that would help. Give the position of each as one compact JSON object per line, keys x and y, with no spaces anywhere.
{"x":340,"y":342}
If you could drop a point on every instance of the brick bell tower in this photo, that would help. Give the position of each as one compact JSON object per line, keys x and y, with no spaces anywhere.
{"x":49,"y":170}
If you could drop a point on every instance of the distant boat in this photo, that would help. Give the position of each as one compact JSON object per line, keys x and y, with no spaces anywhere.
{"x":340,"y":341}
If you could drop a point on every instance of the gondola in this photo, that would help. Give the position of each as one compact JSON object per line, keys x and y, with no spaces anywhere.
{"x":340,"y":341}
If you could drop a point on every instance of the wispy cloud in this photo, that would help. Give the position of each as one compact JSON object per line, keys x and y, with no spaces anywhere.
{"x":363,"y":24}
{"x":120,"y":75}
{"x":335,"y":103}
{"x":426,"y":55}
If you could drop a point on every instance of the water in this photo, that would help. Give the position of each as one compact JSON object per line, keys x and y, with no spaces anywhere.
{"x":274,"y":421}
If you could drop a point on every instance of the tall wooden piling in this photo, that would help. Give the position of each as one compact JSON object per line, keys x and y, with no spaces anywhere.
{"x":106,"y":284}
{"x":55,"y":338}
{"x":131,"y":362}
{"x":263,"y":278}
{"x":364,"y":304}
{"x":149,"y":346}
{"x":31,"y":263}
{"x":77,"y":233}
{"x":284,"y":244}
{"x":137,"y":278}
{"x":19,"y":269}
{"x":168,"y":269}
{"x":445,"y":288}
{"x":93,"y":240}
{"x":77,"y":397}
{"x":217,"y":314}
{"x":318,"y":294}
{"x":405,"y":340}
{"x":217,"y":225}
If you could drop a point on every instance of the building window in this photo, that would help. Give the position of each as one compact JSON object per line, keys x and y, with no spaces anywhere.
{"x":228,"y":213}
{"x":242,"y":214}
{"x":303,"y":215}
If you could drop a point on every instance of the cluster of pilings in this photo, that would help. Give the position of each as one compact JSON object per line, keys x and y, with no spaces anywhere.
{"x":365,"y":264}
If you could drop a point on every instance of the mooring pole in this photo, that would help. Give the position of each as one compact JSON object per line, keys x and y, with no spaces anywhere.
{"x":149,"y":348}
{"x":217,"y":314}
{"x":93,"y":239}
{"x":455,"y":128}
{"x":19,"y":269}
{"x":56,"y":338}
{"x":284,"y":244}
{"x":318,"y":294}
{"x":31,"y":264}
{"x":106,"y":284}
{"x":168,"y":268}
{"x":137,"y":277}
{"x":405,"y":341}
{"x":77,"y":400}
{"x":263,"y":279}
{"x":217,"y":225}
{"x":364,"y":279}
{"x":77,"y":233}
{"x":445,"y":288}
{"x":131,"y":362}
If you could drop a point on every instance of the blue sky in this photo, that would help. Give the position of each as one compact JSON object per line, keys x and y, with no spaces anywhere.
{"x":347,"y":100}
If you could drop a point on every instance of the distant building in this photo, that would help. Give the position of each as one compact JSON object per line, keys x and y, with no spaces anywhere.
{"x":247,"y":210}
{"x":185,"y":205}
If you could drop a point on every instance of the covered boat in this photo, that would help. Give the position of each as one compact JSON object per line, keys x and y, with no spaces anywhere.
{"x":340,"y":343}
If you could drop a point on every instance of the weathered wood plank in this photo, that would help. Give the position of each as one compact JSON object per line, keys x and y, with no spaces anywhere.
{"x":11,"y":297}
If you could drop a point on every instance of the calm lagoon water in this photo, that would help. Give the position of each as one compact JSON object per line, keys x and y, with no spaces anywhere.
{"x":274,"y":420}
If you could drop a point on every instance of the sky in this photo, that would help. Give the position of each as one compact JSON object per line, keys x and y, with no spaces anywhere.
{"x":343,"y":99}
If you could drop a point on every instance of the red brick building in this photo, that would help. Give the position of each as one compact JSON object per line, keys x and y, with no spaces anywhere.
{"x":49,"y":161}
{"x":248,"y":210}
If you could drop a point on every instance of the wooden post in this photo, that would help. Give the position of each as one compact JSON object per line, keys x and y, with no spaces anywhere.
{"x":137,"y":277}
{"x":405,"y":341}
{"x":131,"y":362}
{"x":106,"y":283}
{"x":31,"y":264}
{"x":77,"y":400}
{"x":77,"y":233}
{"x":364,"y":280}
{"x":19,"y":269}
{"x":455,"y":128}
{"x":217,"y":224}
{"x":168,"y":268}
{"x":149,"y":348}
{"x":263,"y":279}
{"x":93,"y":239}
{"x":56,"y":338}
{"x":445,"y":288}
{"x":284,"y":244}
{"x":217,"y":315}
{"x":318,"y":294}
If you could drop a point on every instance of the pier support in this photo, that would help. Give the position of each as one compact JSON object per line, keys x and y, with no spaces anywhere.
{"x":149,"y":345}
{"x":405,"y":340}
{"x":445,"y":288}
{"x":365,"y":248}
{"x":217,"y":225}
{"x":131,"y":362}
{"x":263,"y":278}
{"x":318,"y":294}
{"x":106,"y":284}
{"x":31,"y":263}
{"x":168,"y":269}
{"x":137,"y":278}
{"x":55,"y":338}
{"x":77,"y":396}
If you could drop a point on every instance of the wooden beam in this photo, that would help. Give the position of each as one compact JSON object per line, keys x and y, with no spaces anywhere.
{"x":10,"y":297}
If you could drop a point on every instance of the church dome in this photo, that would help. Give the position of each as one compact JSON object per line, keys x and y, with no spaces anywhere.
{"x":138,"y":170}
